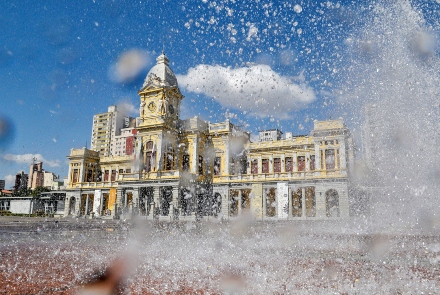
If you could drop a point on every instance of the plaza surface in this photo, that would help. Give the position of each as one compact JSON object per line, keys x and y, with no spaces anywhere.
{"x":55,"y":256}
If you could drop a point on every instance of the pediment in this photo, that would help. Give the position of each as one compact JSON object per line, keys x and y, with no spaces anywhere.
{"x":150,"y":88}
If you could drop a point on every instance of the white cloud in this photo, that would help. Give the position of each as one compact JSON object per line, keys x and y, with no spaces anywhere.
{"x":257,"y":89}
{"x":127,"y":108}
{"x":9,"y":181}
{"x":129,"y":66}
{"x":28,"y":158}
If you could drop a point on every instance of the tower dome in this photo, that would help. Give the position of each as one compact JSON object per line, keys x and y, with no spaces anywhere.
{"x":161,"y":74}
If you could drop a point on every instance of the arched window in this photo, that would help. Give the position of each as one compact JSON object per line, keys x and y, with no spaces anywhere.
{"x":332,"y":203}
{"x":72,"y":206}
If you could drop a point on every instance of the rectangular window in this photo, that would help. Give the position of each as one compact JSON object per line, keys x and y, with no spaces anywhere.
{"x":312,"y":163}
{"x":217,"y":161}
{"x":200,"y":165}
{"x":265,"y":166}
{"x":244,"y":165}
{"x":301,"y":163}
{"x":75,"y":176}
{"x":277,"y":165}
{"x":185,"y":163}
{"x":127,"y":170}
{"x":330,"y":159}
{"x":232,"y":166}
{"x":89,"y":176}
{"x":254,"y":167}
{"x":113,"y":175}
{"x":289,"y":164}
{"x":106,"y":175}
{"x":169,"y":161}
{"x":148,"y":156}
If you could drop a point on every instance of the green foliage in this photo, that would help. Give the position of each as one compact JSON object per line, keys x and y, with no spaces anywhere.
{"x":38,"y":190}
{"x":25,"y":192}
{"x":22,"y":192}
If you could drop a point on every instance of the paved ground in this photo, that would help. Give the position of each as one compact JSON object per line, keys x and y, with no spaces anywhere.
{"x":50,"y":256}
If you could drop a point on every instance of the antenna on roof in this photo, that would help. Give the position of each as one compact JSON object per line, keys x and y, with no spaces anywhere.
{"x":86,"y":143}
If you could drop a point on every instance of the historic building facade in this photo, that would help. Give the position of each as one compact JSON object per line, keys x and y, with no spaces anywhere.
{"x":190,"y":169}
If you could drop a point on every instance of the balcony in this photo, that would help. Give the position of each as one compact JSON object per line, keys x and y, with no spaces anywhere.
{"x":93,"y":185}
{"x":282,"y":176}
{"x":170,"y":174}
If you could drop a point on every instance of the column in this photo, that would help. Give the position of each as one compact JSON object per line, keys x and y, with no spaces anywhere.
{"x":294,"y":162}
{"x":69,"y":174}
{"x":195,"y":156}
{"x":135,"y":200}
{"x":119,"y":199}
{"x":156,"y":198}
{"x":81,"y":172}
{"x":303,"y":202}
{"x":66,"y":206}
{"x":240,"y":195}
{"x":271,"y":164}
{"x":289,"y":201}
{"x":225,"y":202}
{"x":317,"y":158}
{"x":87,"y":205}
{"x":77,"y":202}
{"x":343,"y":163}
{"x":175,"y":201}
{"x":307,"y":161}
{"x":264,"y":202}
{"x":283,"y":163}
{"x":226,"y":156}
{"x":159,"y":155}
{"x":260,"y":165}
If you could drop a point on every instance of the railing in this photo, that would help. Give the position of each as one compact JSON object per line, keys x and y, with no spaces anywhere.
{"x":297,"y":175}
{"x":92,"y":185}
{"x":149,"y":175}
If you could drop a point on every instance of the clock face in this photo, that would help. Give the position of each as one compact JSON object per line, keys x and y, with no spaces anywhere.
{"x":171,"y":109}
{"x":152,"y":106}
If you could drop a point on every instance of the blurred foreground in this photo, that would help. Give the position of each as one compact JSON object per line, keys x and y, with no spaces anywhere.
{"x":45,"y":256}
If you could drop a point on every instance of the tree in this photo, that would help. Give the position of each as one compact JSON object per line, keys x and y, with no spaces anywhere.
{"x":38,"y":190}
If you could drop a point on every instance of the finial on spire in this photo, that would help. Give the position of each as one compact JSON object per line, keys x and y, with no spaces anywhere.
{"x":163,"y":48}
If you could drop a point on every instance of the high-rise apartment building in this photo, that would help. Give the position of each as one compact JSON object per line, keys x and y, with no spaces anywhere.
{"x":104,"y":129}
{"x":107,"y":129}
{"x":36,"y":175}
{"x":21,"y":181}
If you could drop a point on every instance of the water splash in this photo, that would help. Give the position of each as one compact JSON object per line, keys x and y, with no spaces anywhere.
{"x":392,"y":90}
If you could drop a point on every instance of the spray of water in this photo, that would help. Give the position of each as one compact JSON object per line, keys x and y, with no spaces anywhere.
{"x":392,"y":90}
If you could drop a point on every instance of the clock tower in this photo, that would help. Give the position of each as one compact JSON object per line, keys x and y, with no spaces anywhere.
{"x":159,"y":110}
{"x":160,"y":96}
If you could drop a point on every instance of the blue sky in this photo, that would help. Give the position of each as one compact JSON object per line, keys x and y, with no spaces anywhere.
{"x":62,"y":63}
